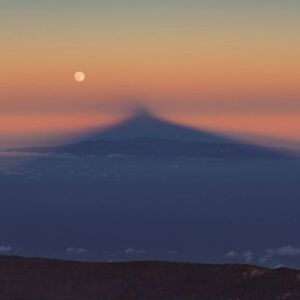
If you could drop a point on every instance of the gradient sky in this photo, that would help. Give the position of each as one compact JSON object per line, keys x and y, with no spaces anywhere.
{"x":231,"y":66}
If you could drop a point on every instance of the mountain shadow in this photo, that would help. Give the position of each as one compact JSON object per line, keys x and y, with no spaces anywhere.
{"x":144,"y":134}
{"x":145,"y":125}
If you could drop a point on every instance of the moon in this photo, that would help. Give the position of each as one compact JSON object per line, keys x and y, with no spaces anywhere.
{"x":79,"y":76}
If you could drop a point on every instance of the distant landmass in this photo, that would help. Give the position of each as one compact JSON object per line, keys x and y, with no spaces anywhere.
{"x":44,"y":279}
{"x":146,"y":135}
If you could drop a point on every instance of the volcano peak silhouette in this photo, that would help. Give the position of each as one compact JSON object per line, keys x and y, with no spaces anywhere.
{"x":145,"y":125}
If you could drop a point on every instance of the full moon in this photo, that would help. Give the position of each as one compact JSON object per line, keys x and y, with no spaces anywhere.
{"x":79,"y":76}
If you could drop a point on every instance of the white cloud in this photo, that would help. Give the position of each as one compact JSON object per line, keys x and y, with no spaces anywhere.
{"x":78,"y":251}
{"x":135,"y":251}
{"x":288,"y":250}
{"x":230,"y":254}
{"x":5,"y":249}
{"x":264,"y":259}
{"x":282,"y":251}
{"x":248,"y":256}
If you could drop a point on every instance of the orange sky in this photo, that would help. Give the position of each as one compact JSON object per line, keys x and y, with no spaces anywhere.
{"x":223,"y":65}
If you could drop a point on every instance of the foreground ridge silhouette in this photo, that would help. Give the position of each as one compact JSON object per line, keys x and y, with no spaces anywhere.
{"x":45,"y":279}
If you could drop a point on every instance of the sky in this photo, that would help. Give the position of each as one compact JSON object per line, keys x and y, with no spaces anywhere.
{"x":231,"y":66}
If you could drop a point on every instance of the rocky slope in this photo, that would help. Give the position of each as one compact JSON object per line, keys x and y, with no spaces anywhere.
{"x":44,"y":279}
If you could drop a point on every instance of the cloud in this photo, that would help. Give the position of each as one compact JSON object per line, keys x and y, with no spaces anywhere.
{"x":24,"y":154}
{"x":77,"y":251}
{"x":282,"y":251}
{"x":135,"y":251}
{"x":269,"y":255}
{"x":247,"y":255}
{"x":288,"y":251}
{"x":173,"y":252}
{"x":264,"y":259}
{"x":5,"y":249}
{"x":231,"y":254}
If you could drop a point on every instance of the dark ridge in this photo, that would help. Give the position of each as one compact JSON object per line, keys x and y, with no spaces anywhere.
{"x":45,"y":279}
